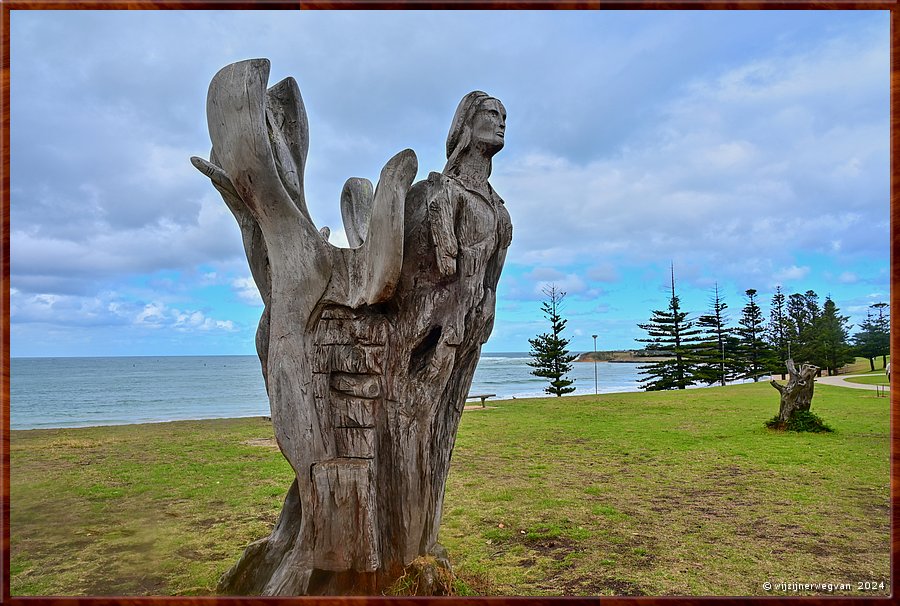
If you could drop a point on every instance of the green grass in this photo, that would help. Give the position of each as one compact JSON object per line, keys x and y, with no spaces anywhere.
{"x":140,"y":509}
{"x":644,"y":493}
{"x":872,"y":379}
{"x":670,"y":493}
{"x":861,"y":365}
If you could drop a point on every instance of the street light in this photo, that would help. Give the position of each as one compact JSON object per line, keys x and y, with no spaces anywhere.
{"x":596,"y":390}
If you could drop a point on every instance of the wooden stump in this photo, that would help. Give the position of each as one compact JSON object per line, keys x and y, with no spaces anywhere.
{"x":367,"y":352}
{"x":797,"y":395}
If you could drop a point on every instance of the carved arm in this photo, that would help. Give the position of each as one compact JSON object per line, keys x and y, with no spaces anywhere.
{"x":442,"y":215}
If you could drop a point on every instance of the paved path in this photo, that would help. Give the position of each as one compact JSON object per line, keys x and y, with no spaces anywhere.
{"x":839,"y":380}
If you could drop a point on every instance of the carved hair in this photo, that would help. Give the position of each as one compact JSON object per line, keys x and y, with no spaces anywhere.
{"x":460,"y":137}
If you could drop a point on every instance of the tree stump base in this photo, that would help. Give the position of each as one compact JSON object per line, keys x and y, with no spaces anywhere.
{"x":796,"y":398}
{"x":429,"y":575}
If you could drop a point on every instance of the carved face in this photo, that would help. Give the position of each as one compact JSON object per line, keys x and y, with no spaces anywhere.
{"x":489,"y":126}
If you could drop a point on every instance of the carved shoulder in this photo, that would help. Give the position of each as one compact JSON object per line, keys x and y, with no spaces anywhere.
{"x":441,"y":221}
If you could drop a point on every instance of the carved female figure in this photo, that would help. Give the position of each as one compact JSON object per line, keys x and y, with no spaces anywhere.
{"x":457,"y":231}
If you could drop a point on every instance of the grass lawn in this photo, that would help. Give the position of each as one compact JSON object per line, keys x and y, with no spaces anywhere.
{"x":872,"y":379}
{"x":861,"y":365}
{"x":641,"y":493}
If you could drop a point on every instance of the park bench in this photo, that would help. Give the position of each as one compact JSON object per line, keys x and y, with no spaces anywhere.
{"x":483,"y":396}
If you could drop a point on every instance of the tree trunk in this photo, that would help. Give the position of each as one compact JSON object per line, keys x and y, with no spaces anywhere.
{"x":797,"y":395}
{"x":368,"y":352}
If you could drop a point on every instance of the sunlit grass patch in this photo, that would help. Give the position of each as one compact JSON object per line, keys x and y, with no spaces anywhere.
{"x":618,"y":494}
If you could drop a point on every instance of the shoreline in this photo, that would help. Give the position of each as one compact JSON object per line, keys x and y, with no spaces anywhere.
{"x":267,"y":418}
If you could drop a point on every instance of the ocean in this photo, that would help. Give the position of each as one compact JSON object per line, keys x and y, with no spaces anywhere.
{"x":81,"y":392}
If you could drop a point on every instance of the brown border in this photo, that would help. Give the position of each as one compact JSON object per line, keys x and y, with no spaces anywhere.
{"x":7,"y":5}
{"x":895,"y":280}
{"x":4,"y":309}
{"x":448,"y":4}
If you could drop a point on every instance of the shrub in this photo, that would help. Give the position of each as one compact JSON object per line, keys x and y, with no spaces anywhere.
{"x":800,"y":421}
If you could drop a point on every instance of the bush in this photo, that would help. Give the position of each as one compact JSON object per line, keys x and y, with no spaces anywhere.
{"x":800,"y":421}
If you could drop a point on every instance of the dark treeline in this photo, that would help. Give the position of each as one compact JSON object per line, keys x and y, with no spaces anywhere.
{"x":712,"y":348}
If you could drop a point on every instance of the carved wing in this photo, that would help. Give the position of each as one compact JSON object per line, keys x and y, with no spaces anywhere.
{"x":373,"y":268}
{"x":357,"y":199}
{"x":258,"y":140}
{"x":289,"y":132}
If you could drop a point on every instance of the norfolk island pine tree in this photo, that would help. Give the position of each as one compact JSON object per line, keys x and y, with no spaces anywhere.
{"x":755,"y":356}
{"x":715,"y":351}
{"x":552,"y":360}
{"x":873,"y":338}
{"x":671,"y":334}
{"x":832,"y":336}
{"x":778,"y":333}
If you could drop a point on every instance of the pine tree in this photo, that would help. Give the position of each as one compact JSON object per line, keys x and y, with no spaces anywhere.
{"x":797,"y":321}
{"x":672,"y":335}
{"x":865,"y":342}
{"x":883,"y":332}
{"x":552,"y":360}
{"x":779,"y":332}
{"x":715,"y":351}
{"x":831,"y":338}
{"x":873,"y":338}
{"x":754,"y":354}
{"x":803,"y":311}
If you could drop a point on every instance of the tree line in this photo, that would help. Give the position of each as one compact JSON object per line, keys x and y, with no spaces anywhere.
{"x":709,"y":349}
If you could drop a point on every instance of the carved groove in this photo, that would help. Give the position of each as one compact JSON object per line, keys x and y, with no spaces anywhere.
{"x":421,"y":356}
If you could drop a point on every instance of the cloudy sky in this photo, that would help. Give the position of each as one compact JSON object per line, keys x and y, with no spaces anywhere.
{"x":748,"y":148}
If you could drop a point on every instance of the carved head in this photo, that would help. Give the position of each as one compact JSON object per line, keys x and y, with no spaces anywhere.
{"x":479,"y":124}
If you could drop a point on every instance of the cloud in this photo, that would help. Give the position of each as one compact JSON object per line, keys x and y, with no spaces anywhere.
{"x":247,"y":291}
{"x":67,"y":310}
{"x":735,"y":145}
{"x":791,"y":274}
{"x":652,"y":167}
{"x":108,"y":309}
{"x":196,"y":320}
{"x":157,"y":315}
{"x":43,"y":260}
{"x":153,"y":314}
{"x":546,"y":274}
{"x":603,"y":272}
{"x":751,"y":164}
{"x":571,"y":285}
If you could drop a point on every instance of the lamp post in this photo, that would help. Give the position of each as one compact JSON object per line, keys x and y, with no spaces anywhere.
{"x":596,"y":389}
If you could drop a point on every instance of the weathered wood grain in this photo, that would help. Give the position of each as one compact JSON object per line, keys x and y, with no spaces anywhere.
{"x":368,"y":352}
{"x":797,"y":394}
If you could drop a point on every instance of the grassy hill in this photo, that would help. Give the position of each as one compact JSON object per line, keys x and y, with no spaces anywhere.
{"x":641,"y":493}
{"x":861,"y":365}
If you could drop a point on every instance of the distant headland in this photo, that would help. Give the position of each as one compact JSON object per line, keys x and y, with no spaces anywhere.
{"x":622,"y":355}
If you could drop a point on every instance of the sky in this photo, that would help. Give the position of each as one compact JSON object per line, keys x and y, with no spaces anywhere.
{"x":747,"y":149}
